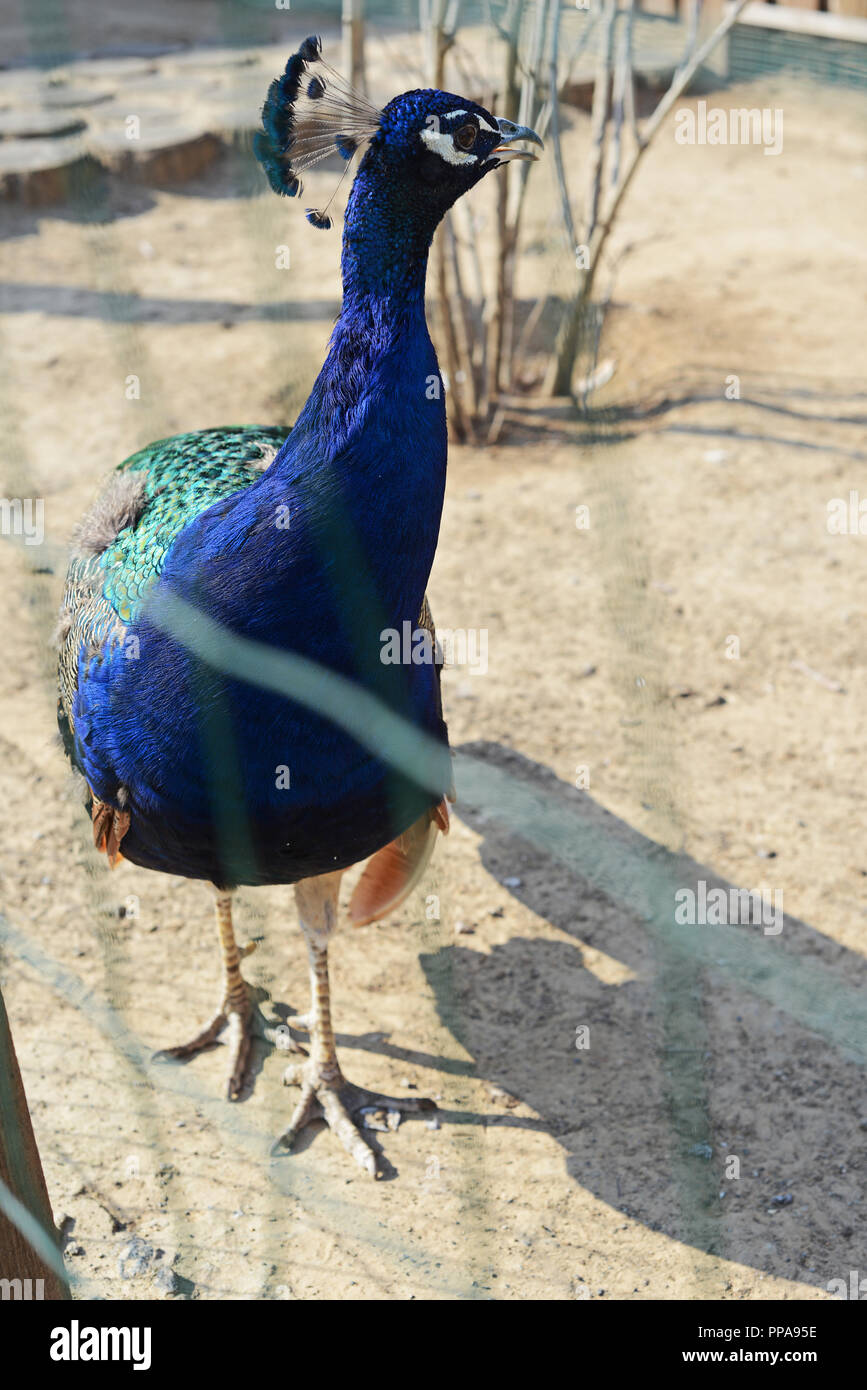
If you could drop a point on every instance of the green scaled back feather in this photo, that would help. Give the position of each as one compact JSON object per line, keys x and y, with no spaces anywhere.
{"x":185,"y":475}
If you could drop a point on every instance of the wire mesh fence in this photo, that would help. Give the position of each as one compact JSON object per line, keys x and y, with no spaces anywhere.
{"x":171,"y":1190}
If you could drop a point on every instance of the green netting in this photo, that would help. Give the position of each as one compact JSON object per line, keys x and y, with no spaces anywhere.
{"x":756,"y":53}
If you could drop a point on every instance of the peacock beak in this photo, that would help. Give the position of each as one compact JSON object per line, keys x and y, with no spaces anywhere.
{"x":510,"y":134}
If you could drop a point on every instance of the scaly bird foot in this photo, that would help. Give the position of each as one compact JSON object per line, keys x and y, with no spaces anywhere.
{"x":239,"y":1021}
{"x":335,"y":1100}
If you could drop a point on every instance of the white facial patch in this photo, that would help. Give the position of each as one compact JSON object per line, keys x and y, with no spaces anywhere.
{"x":442,"y":143}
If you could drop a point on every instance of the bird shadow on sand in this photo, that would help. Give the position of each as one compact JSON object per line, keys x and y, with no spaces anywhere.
{"x":705,"y":1080}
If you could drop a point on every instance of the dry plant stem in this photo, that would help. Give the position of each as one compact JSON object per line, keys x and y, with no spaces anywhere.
{"x":549,"y":117}
{"x":542,"y":123}
{"x":472,"y":243}
{"x":528,"y":113}
{"x":693,"y":17}
{"x":558,"y":378}
{"x":521,"y":350}
{"x":500,"y":376}
{"x":678,"y":86}
{"x":458,"y":425}
{"x":438,"y":22}
{"x":509,"y":32}
{"x":599,"y":119}
{"x":494,"y":332}
{"x":559,"y":166}
{"x":509,"y":315}
{"x":438,"y":41}
{"x":463,"y":325}
{"x":621,"y":86}
{"x":353,"y":43}
{"x":495,"y":323}
{"x":629,"y":93}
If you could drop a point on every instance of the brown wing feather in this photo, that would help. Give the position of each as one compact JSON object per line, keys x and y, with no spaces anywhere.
{"x":109,"y":828}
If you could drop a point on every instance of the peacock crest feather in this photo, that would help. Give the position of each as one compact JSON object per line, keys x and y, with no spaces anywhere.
{"x":308,"y":115}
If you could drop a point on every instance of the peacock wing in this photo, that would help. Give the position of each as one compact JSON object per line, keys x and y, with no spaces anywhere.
{"x":120,"y":546}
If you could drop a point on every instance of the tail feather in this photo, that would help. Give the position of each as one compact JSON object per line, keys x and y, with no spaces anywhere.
{"x":109,"y":827}
{"x":396,"y":870}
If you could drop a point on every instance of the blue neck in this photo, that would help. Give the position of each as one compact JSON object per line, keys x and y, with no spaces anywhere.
{"x":363,"y":470}
{"x":388,"y":230}
{"x":382,"y":325}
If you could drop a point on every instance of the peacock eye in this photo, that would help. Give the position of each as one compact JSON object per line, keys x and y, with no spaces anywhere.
{"x":466,"y":136}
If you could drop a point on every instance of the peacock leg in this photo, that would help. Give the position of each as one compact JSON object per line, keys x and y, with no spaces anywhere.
{"x":325,"y":1092}
{"x":235,"y":1012}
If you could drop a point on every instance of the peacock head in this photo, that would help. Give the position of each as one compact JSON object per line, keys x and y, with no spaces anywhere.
{"x":440,"y":145}
{"x":424,"y":149}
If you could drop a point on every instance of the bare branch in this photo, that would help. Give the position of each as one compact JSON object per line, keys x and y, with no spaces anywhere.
{"x":353,"y":43}
{"x":559,"y":375}
{"x":623,"y":95}
{"x":599,"y":118}
{"x":692,"y":23}
{"x":683,"y":78}
{"x":462,"y":325}
{"x":559,"y":167}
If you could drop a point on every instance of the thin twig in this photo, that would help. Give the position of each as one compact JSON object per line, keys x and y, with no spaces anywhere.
{"x":533,"y":319}
{"x":527,"y":107}
{"x":623,"y":94}
{"x":479,"y":337}
{"x":559,"y":375}
{"x":683,"y":78}
{"x":692,"y":23}
{"x":599,"y":118}
{"x":559,"y":167}
{"x":497,"y":311}
{"x":353,"y":43}
{"x":456,"y":415}
{"x":526,"y":116}
{"x":629,"y":93}
{"x":463,"y":326}
{"x":498,"y":302}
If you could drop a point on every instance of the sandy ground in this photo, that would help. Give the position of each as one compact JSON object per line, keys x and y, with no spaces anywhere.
{"x":557,"y":1171}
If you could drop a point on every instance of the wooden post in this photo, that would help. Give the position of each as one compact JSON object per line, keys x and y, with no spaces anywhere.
{"x":21,"y":1174}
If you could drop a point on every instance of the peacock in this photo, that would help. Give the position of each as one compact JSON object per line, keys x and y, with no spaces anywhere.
{"x":218,"y":567}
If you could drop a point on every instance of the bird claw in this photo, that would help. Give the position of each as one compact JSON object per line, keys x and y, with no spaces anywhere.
{"x":240,"y":1025}
{"x":336,"y":1101}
